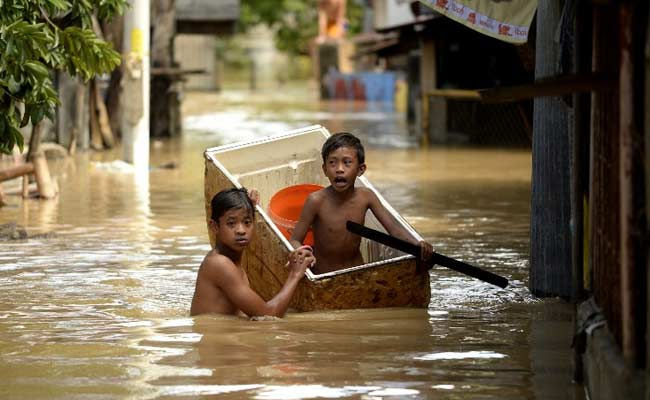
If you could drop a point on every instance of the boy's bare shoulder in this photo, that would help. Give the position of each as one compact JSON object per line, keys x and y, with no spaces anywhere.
{"x":364,"y":190}
{"x":366,"y":193}
{"x":317,"y":197}
{"x":214,"y":262}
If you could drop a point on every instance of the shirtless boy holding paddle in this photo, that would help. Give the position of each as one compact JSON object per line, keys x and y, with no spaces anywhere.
{"x":222,"y":286}
{"x":328,"y":209}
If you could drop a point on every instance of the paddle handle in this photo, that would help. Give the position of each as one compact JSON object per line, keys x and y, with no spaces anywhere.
{"x":436,"y":258}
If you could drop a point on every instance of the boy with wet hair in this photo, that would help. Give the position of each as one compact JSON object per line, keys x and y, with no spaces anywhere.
{"x":326,"y":211}
{"x":222,"y":286}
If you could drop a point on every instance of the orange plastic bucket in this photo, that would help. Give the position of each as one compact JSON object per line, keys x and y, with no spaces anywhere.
{"x":285,"y":208}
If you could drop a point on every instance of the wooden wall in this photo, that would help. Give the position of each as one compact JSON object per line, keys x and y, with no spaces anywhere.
{"x":604,"y":195}
{"x":197,"y":52}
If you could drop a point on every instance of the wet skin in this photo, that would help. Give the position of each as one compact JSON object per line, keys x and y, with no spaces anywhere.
{"x":222,"y":286}
{"x":327,"y":211}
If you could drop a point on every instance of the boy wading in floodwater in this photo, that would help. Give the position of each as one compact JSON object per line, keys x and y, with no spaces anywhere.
{"x":328,"y":209}
{"x":222,"y":286}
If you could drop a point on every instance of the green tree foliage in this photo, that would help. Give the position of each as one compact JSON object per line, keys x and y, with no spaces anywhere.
{"x":38,"y":37}
{"x":295,"y":22}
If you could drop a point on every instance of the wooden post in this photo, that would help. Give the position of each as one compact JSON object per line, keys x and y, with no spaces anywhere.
{"x":103,"y":120}
{"x":101,"y":133}
{"x":163,"y":106}
{"x":633,"y":216}
{"x":579,"y":148}
{"x":550,"y":240}
{"x":580,"y":170}
{"x":113,"y":32}
{"x":46,"y":187}
{"x":424,"y":118}
{"x":16,"y":171}
{"x":98,"y":115}
{"x":626,"y":172}
{"x":434,"y":111}
{"x":81,"y":132}
{"x":25,"y":186}
{"x":604,"y":199}
{"x":66,"y":87}
{"x":96,"y":142}
{"x":646,"y":128}
{"x":327,"y":57}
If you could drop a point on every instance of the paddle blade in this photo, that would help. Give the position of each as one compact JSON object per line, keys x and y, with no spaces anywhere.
{"x":436,"y":258}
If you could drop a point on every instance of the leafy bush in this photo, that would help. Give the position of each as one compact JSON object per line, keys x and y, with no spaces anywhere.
{"x":38,"y":37}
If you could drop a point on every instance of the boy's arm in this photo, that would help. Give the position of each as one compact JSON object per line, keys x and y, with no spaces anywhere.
{"x":394,"y":228}
{"x":306,"y":218}
{"x":229,"y":279}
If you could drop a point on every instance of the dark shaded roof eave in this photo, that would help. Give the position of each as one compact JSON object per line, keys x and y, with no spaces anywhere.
{"x":428,"y":19}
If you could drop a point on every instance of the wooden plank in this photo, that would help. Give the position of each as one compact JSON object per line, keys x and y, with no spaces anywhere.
{"x":428,"y":82}
{"x":207,"y":10}
{"x":102,"y":118}
{"x":456,"y":94}
{"x":625,"y":171}
{"x":16,"y":171}
{"x":374,"y":48}
{"x":549,"y":87}
{"x":177,"y":72}
{"x":96,"y":142}
{"x":30,"y":190}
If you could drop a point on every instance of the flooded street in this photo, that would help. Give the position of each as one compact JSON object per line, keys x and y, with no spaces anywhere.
{"x":99,"y":307}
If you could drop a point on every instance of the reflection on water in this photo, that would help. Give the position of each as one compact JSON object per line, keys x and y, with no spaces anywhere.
{"x":100,"y":308}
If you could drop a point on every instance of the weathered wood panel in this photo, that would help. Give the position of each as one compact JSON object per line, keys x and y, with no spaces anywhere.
{"x":604,"y":196}
{"x":197,"y":52}
{"x":394,"y":284}
{"x":633,"y":215}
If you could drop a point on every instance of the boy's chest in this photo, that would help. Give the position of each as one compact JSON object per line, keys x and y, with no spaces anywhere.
{"x":334,"y":216}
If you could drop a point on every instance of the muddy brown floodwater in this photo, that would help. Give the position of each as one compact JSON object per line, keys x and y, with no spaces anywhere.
{"x":100,"y":309}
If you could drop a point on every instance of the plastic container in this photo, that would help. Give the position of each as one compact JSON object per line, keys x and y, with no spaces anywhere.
{"x":285,"y":208}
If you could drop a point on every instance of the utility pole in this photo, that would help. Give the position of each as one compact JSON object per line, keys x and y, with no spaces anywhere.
{"x":135,"y":95}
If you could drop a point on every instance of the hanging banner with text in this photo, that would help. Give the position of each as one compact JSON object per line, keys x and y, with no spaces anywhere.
{"x":507,"y":20}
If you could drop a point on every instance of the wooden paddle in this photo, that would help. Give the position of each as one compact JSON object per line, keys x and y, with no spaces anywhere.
{"x":436,"y":258}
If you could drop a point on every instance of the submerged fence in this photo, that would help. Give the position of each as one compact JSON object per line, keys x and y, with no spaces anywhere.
{"x":451,"y":115}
